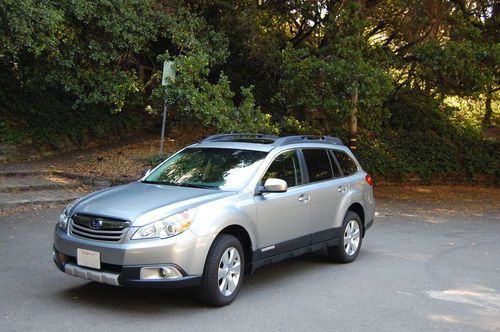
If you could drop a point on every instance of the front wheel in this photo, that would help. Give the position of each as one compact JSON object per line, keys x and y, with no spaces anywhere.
{"x":223,"y":273}
{"x":349,"y":241}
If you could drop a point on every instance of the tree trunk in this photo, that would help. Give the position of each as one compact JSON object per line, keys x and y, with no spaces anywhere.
{"x":488,"y":112}
{"x":354,"y":119}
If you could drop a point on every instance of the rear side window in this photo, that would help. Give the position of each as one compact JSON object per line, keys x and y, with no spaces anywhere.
{"x":318,"y":164}
{"x":286,"y":167}
{"x":346,"y":163}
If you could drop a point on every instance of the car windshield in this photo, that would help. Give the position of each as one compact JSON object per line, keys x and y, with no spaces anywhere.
{"x":226,"y":169}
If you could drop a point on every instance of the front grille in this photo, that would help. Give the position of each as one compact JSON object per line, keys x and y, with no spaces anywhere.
{"x":98,"y":228}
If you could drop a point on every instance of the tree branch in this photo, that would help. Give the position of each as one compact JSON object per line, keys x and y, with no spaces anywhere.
{"x":412,"y":43}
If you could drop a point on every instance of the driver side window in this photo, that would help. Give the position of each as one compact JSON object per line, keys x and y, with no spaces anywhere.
{"x":286,"y":167}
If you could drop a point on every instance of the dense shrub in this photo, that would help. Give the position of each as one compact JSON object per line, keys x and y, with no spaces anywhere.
{"x":418,"y":138}
{"x":45,"y":118}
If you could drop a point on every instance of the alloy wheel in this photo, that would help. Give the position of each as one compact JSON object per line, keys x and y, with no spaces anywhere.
{"x":229,"y":271}
{"x":352,"y":235}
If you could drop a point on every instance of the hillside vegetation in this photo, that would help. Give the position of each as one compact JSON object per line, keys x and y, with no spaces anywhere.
{"x":416,"y":82}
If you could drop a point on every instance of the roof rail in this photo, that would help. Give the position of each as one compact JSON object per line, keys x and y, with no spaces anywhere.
{"x":307,"y":138}
{"x":239,"y":137}
{"x":272,"y":139}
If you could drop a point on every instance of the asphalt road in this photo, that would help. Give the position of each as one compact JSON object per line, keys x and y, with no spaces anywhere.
{"x":413,"y":274}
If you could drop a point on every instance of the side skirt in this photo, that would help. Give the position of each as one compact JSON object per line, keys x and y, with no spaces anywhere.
{"x":292,"y":253}
{"x":368,"y":225}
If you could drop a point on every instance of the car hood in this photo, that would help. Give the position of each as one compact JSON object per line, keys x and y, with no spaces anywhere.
{"x":134,"y":200}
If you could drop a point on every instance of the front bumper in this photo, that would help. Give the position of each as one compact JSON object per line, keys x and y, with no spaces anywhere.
{"x":185,"y":250}
{"x":121,"y":263}
{"x":122,"y":275}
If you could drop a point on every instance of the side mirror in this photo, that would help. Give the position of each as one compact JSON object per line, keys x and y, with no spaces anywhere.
{"x":273,"y":185}
{"x":146,"y":172}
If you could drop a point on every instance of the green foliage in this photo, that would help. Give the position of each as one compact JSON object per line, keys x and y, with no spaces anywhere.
{"x":201,"y":93}
{"x":86,"y":49}
{"x":468,"y":113}
{"x":18,"y":34}
{"x":414,"y":110}
{"x":291,"y":126}
{"x":9,"y":135}
{"x":320,"y":80}
{"x":394,"y":155}
{"x":33,"y":122}
{"x":312,"y":84}
{"x":420,"y":139}
{"x":425,"y":73}
{"x":463,"y":67}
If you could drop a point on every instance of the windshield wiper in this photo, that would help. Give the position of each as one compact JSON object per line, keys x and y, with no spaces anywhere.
{"x":159,"y":182}
{"x":191,"y":185}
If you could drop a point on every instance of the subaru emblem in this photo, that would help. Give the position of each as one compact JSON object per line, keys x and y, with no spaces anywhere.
{"x":95,"y":224}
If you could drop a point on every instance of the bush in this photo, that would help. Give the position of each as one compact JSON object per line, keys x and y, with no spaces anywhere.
{"x":420,"y":139}
{"x":44,"y":118}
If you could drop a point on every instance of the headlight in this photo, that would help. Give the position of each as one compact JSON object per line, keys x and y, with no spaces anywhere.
{"x":64,"y":217}
{"x":166,"y":227}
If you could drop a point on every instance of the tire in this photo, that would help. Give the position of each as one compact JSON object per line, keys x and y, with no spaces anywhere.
{"x":350,"y":239}
{"x":226,"y":256}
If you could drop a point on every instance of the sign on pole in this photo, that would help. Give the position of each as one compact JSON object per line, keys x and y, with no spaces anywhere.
{"x":167,"y":77}
{"x":168,"y":73}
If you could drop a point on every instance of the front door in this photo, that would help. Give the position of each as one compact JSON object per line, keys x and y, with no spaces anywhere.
{"x":283,"y":222}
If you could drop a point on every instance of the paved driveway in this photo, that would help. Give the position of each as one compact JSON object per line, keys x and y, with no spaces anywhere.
{"x":416,"y":272}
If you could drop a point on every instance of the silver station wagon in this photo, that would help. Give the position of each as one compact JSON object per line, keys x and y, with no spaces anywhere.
{"x":216,"y":211}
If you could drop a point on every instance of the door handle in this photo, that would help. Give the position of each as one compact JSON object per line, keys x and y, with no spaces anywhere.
{"x":342,"y":189}
{"x":304,"y":198}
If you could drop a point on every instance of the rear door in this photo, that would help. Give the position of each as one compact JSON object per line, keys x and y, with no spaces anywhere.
{"x":325,"y":192}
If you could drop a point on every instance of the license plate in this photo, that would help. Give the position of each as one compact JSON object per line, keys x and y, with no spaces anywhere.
{"x":88,"y":258}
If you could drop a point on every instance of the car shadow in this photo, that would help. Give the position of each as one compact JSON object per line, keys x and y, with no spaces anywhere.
{"x":128,"y":299}
{"x":294,"y":268}
{"x":145,"y":300}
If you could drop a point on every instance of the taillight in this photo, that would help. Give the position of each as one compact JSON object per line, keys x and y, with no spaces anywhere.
{"x":369,"y":179}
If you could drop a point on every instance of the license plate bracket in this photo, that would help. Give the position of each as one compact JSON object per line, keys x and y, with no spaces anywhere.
{"x":88,"y":258}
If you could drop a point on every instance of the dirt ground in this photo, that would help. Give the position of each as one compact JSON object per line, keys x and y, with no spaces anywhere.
{"x":126,"y":161}
{"x":123,"y":160}
{"x":434,"y":202}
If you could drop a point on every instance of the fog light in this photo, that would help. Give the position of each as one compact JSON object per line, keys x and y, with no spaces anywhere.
{"x":62,"y":258}
{"x":164,"y":272}
{"x":159,"y":273}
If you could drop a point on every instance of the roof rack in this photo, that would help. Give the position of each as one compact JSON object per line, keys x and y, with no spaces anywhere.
{"x":240,"y":137}
{"x":307,"y":138}
{"x":272,"y":139}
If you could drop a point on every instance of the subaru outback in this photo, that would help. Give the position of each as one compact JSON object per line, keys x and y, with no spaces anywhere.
{"x":217,"y":210}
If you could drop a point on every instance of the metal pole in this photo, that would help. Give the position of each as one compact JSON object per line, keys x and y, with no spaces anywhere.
{"x":163,"y":126}
{"x":353,"y":144}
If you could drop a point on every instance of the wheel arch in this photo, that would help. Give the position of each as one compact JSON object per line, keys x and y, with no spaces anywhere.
{"x":358,"y":209}
{"x":246,"y":242}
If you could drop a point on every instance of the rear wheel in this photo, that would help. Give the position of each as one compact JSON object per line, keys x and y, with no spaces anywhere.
{"x":223,"y":273}
{"x":349,"y":241}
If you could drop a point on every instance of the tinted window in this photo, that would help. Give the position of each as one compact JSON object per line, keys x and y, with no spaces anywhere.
{"x":346,"y":163}
{"x":286,"y":167}
{"x":318,"y":164}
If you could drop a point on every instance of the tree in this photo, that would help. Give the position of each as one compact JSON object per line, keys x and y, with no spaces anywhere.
{"x":107,"y":55}
{"x":253,"y":65}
